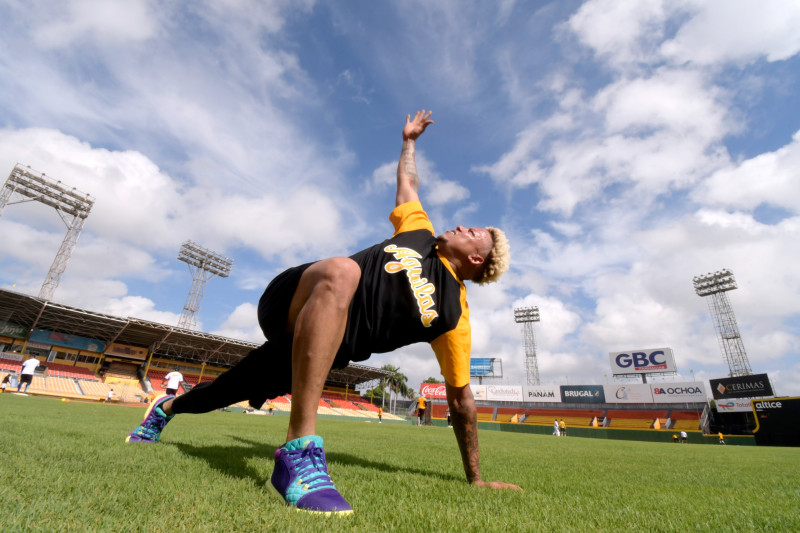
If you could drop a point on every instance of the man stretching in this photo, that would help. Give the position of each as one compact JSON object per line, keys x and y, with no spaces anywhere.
{"x":322,"y":315}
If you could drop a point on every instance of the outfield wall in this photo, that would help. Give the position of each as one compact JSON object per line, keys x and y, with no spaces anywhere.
{"x":647,"y":435}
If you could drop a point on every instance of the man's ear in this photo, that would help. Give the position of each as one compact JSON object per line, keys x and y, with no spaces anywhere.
{"x":476,"y":259}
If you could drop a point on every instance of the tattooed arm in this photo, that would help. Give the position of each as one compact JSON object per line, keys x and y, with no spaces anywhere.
{"x":464,"y":416}
{"x":407,"y":178}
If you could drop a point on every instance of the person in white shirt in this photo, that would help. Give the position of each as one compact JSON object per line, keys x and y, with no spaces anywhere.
{"x":26,"y":375}
{"x":173,"y":380}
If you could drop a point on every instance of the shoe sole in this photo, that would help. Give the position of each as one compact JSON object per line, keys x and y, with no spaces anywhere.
{"x":326,"y":513}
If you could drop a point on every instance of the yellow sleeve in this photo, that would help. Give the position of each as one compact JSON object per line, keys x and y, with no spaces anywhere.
{"x":408,"y":217}
{"x":453,"y":348}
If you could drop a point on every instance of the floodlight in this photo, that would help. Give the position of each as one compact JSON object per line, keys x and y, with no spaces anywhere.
{"x":203,"y":264}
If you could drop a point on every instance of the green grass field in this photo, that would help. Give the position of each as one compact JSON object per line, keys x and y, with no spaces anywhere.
{"x":65,"y":467}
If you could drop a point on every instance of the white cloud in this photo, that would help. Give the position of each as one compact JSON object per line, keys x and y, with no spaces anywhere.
{"x":741,"y":32}
{"x":621,"y":32}
{"x":242,"y":323}
{"x":107,"y":22}
{"x":768,"y":178}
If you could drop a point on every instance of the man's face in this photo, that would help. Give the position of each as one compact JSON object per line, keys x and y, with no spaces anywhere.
{"x":465,"y":242}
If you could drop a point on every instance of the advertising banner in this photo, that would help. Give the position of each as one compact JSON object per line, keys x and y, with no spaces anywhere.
{"x":7,"y":329}
{"x":70,"y":341}
{"x":679,"y":392}
{"x":481,"y":366}
{"x":541,"y":394}
{"x":504,"y":393}
{"x":734,"y":405}
{"x":776,"y":421}
{"x":131,"y":352}
{"x":582,"y":394}
{"x":647,"y":361}
{"x":433,"y":390}
{"x":753,"y":386}
{"x":478,"y":391}
{"x":628,"y":393}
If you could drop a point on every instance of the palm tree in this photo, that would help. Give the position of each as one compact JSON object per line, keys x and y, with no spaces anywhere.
{"x":398,"y":384}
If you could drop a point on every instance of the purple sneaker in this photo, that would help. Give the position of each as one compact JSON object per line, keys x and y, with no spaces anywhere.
{"x":154,"y":421}
{"x":301,"y":476}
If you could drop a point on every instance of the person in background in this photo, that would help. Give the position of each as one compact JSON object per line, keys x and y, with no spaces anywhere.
{"x":422,"y":403}
{"x":172,"y":381}
{"x":26,"y":374}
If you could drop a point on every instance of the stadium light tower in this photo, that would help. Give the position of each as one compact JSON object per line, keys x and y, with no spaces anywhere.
{"x":716,"y":284}
{"x":527,"y":316}
{"x":203,"y":264}
{"x":72,"y":206}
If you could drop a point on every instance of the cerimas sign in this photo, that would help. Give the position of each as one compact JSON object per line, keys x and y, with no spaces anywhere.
{"x":645,"y":361}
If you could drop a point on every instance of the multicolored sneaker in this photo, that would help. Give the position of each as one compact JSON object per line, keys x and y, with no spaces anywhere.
{"x":301,"y":476}
{"x":154,"y":421}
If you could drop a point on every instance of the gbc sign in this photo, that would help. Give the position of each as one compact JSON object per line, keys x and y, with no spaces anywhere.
{"x":646,"y":361}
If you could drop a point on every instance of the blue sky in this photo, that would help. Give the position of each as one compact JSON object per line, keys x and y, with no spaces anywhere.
{"x":624,"y":147}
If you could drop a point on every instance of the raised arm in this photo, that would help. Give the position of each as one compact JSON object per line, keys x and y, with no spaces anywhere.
{"x":407,"y":178}
{"x":464,"y":417}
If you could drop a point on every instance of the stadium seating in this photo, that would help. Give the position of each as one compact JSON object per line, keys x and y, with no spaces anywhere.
{"x":10,"y":364}
{"x":69,"y":371}
{"x":634,"y":418}
{"x":684,"y":419}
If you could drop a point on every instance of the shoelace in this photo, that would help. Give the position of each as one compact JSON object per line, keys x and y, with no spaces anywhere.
{"x":153,"y":425}
{"x":311,"y":461}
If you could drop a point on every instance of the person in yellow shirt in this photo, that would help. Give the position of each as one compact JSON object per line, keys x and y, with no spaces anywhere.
{"x":380,"y":415}
{"x":721,"y":438}
{"x":317,"y":316}
{"x":422,"y":403}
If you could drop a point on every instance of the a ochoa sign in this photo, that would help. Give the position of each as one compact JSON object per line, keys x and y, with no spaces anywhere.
{"x":647,"y":361}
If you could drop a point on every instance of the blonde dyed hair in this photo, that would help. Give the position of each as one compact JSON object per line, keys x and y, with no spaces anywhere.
{"x":496,"y":263}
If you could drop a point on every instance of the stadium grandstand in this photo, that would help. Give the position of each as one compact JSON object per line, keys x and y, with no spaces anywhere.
{"x":85,"y":354}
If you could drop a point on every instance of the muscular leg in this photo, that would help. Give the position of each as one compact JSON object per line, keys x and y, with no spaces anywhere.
{"x":317,"y":318}
{"x":263,"y":373}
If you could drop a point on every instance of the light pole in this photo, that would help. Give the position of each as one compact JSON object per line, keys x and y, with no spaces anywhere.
{"x":716,"y":285}
{"x":203,"y":264}
{"x":527,"y":316}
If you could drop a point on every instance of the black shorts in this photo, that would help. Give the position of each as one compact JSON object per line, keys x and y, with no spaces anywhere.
{"x":173,"y":392}
{"x":273,"y":312}
{"x":26,"y":378}
{"x":273,"y":307}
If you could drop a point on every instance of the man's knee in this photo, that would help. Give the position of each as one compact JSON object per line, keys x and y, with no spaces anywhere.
{"x":338,"y":276}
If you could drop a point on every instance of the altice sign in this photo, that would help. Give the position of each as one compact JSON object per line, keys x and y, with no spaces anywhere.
{"x":645,"y":361}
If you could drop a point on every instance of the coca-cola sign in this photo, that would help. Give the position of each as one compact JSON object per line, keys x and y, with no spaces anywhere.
{"x":433,"y":390}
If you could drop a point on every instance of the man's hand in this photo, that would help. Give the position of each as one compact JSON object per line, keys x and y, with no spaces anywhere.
{"x":496,"y":485}
{"x":414,"y":128}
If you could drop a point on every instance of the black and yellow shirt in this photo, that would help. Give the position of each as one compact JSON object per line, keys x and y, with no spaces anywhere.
{"x":408,"y":293}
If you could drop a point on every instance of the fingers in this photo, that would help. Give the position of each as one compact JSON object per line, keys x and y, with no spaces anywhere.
{"x":423,"y":116}
{"x":497,"y":485}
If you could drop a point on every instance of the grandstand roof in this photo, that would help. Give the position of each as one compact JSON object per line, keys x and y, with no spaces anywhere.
{"x":169,"y":342}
